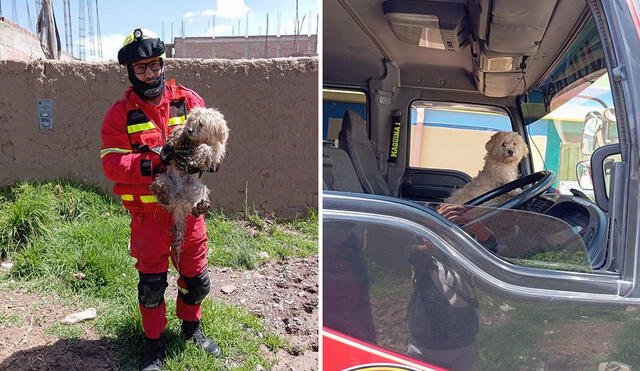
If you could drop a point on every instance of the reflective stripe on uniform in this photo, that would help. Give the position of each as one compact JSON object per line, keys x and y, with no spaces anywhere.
{"x":140,"y":127}
{"x":106,"y":151}
{"x":147,"y":199}
{"x":177,"y":120}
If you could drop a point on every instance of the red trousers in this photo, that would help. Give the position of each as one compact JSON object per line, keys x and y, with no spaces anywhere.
{"x":150,"y":239}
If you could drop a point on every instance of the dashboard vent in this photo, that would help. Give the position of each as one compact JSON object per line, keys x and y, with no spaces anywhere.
{"x":540,"y":205}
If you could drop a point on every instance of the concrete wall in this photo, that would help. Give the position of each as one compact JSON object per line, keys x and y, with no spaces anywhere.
{"x":270,"y":105}
{"x":238,"y":47}
{"x":18,"y":43}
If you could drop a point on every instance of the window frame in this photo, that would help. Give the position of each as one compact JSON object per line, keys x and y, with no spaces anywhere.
{"x":493,"y":108}
{"x":501,"y":275}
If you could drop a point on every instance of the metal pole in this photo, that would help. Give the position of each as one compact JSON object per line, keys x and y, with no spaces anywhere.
{"x":246,"y":37}
{"x":14,"y":12}
{"x":98,"y":31}
{"x":295,"y":36}
{"x":213,"y":37}
{"x":266,"y":38}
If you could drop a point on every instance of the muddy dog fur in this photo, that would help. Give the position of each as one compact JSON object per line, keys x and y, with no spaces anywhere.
{"x":202,"y":142}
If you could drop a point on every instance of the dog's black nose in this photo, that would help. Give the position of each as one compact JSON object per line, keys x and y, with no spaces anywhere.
{"x":510,"y":152}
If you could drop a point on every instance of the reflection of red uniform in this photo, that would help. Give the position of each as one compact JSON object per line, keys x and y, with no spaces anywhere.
{"x":131,"y":128}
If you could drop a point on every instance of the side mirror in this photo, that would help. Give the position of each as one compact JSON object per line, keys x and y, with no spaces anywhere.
{"x":592,"y":132}
{"x":583,"y":172}
{"x":603,"y":161}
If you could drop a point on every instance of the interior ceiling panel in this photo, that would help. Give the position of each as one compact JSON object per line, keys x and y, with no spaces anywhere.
{"x":357,"y":39}
{"x":350,"y":56}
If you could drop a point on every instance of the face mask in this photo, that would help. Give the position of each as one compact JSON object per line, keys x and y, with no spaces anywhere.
{"x":144,"y":90}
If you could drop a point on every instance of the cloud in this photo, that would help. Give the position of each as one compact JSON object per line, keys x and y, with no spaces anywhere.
{"x":231,"y":9}
{"x":190,"y":14}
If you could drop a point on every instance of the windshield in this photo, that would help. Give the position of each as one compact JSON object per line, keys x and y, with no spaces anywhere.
{"x":570,"y":114}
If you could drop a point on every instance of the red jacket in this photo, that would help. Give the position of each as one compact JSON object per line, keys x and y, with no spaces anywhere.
{"x":131,"y":128}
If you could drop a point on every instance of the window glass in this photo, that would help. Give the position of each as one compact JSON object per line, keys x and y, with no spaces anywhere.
{"x":525,"y":238}
{"x":390,"y":283}
{"x":435,"y":124}
{"x":570,"y":113}
{"x":335,"y":103}
{"x":571,"y":132}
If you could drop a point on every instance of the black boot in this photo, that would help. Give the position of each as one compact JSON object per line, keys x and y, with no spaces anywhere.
{"x":153,"y":354}
{"x":191,"y":331}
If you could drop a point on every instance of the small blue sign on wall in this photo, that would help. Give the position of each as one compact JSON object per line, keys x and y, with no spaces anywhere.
{"x":45,"y":113}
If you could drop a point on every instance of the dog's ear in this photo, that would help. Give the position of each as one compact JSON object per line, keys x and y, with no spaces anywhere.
{"x":492,"y":141}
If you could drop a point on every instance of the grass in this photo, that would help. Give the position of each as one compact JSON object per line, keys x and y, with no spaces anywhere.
{"x":11,"y":319}
{"x":55,"y":229}
{"x":238,"y":243}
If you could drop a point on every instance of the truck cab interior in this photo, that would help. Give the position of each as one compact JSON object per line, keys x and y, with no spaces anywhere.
{"x":414,"y":89}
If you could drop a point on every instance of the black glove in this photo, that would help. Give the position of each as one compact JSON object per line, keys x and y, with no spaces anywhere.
{"x":183,"y":165}
{"x":166,"y":153}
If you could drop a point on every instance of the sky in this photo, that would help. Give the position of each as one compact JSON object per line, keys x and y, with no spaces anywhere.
{"x":120,"y":17}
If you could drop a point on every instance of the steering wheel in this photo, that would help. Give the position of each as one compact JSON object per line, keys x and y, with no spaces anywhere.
{"x":541,"y":181}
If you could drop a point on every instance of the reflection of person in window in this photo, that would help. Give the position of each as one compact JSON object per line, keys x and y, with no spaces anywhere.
{"x":462,"y":215}
{"x":346,"y":303}
{"x":443,"y":322}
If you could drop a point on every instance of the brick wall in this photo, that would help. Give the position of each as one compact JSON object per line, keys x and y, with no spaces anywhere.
{"x":239,"y":47}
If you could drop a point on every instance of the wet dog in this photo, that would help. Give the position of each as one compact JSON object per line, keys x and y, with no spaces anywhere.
{"x":202,"y":143}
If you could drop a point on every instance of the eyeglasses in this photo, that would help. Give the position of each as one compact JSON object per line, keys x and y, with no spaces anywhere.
{"x":140,"y":69}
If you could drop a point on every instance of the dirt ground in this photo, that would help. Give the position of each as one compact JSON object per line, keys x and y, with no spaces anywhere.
{"x":284,"y":294}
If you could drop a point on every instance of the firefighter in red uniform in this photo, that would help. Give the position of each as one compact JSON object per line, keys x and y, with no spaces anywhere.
{"x":133,"y":135}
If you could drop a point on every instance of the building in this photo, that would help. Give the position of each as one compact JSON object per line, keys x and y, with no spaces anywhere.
{"x":243,"y":47}
{"x":17,"y":43}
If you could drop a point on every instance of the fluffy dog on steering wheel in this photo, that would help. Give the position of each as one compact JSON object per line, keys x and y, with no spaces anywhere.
{"x":192,"y":149}
{"x":505,"y":150}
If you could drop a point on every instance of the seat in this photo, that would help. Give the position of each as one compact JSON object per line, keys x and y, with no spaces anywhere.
{"x":338,"y":173}
{"x":354,"y":140}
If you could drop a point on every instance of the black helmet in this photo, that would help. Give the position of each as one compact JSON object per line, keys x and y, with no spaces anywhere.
{"x":140,"y":44}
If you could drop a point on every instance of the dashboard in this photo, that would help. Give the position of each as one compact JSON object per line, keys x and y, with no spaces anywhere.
{"x":584,"y":217}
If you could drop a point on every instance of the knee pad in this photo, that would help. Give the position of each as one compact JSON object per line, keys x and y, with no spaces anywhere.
{"x":151,"y":289}
{"x":193,"y":290}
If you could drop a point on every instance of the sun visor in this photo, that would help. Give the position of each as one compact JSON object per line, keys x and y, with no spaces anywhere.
{"x":517,"y":27}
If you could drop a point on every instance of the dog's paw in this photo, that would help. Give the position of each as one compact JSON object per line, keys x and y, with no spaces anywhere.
{"x":160,"y":191}
{"x":201,"y":207}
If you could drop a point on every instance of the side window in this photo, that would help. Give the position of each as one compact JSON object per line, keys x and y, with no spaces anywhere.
{"x":335,"y":103}
{"x":434,"y":124}
{"x":391,"y":285}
